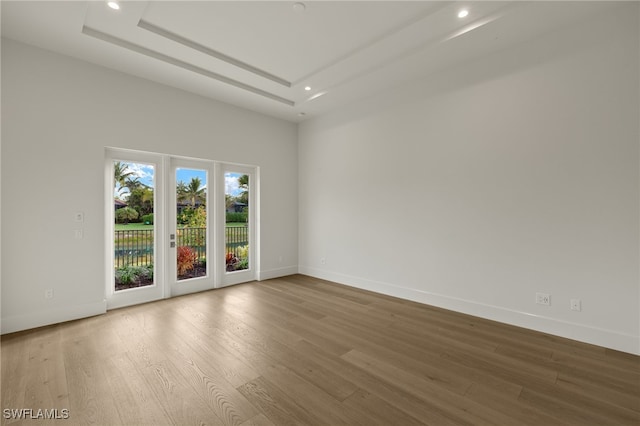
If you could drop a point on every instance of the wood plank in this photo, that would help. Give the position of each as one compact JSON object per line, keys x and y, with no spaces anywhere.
{"x":399,"y":396}
{"x":259,"y":420}
{"x":209,"y":384}
{"x":91,"y":401}
{"x":513,"y":407}
{"x":311,"y":397}
{"x":46,"y":380}
{"x":426,"y":390}
{"x":135,"y":402}
{"x":277,"y":352}
{"x":277,"y":406}
{"x":572,"y":408}
{"x":374,"y":410}
{"x":14,"y":371}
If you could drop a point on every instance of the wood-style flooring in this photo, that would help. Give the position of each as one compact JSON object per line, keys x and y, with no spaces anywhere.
{"x":302,"y":351}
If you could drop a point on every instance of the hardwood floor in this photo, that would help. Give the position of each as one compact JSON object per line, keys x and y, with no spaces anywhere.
{"x":299,"y":350}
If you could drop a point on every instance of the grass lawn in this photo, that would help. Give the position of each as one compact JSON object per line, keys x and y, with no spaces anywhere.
{"x":235,"y":224}
{"x":132,"y":227}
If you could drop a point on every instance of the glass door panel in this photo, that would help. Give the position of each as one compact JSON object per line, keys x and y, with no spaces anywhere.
{"x":238,"y":223}
{"x":190,"y":226}
{"x":236,"y":236}
{"x":191,"y":223}
{"x":133,"y":196}
{"x":133,"y":239}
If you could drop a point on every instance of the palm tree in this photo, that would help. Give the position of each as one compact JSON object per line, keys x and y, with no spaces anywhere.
{"x":192,"y":192}
{"x":181,"y":191}
{"x":135,"y":184}
{"x":243,"y":184}
{"x":121,"y":174}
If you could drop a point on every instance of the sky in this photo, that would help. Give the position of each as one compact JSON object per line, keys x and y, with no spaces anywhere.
{"x":145,"y":172}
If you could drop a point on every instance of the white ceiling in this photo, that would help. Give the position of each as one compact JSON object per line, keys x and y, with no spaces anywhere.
{"x":261,"y":55}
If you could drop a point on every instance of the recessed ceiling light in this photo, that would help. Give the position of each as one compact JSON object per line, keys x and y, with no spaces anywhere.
{"x":316,"y":96}
{"x":463,"y":13}
{"x":307,"y":88}
{"x":299,"y":7}
{"x":113,"y":5}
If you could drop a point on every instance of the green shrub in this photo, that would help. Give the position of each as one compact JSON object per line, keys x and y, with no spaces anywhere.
{"x":198,"y":219}
{"x":236,"y":217}
{"x":193,"y":218}
{"x":147,"y":218}
{"x":149,"y":271}
{"x":242,"y":252}
{"x":130,"y":274}
{"x":126,"y":275}
{"x":243,"y":264}
{"x":126,"y":214}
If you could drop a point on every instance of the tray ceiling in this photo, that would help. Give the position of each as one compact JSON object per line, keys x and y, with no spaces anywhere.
{"x":263,"y":55}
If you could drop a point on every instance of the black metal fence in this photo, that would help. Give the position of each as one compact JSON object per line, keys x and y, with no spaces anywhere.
{"x":236,"y":236}
{"x":136,"y":247}
{"x":196,"y":238}
{"x":133,"y":248}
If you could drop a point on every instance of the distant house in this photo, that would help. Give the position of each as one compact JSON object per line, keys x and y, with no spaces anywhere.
{"x":118,"y":204}
{"x":236,"y":207}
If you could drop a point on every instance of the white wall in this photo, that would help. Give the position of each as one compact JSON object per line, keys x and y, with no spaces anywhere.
{"x":476,"y":188}
{"x":58,"y":116}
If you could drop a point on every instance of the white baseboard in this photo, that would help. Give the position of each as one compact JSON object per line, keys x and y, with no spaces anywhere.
{"x":52,"y":316}
{"x":583,"y":333}
{"x":277,"y":273}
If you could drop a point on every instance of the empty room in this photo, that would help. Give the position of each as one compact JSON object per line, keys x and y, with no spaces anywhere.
{"x":320,"y":213}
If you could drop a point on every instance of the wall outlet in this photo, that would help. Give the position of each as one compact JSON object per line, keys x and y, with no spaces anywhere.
{"x":48,"y":293}
{"x":79,"y":217}
{"x":543,"y":299}
{"x":576,"y":305}
{"x":323,"y":261}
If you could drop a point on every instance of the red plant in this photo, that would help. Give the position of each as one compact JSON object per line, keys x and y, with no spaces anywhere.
{"x":231,"y":261}
{"x":187,"y":257}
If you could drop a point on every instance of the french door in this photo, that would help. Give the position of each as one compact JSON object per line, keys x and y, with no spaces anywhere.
{"x":135,"y":205}
{"x":191,"y":215}
{"x":176,"y":226}
{"x":237,"y":242}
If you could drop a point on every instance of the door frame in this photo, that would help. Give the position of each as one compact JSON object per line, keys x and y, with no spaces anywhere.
{"x":158,"y":290}
{"x":164,"y":212}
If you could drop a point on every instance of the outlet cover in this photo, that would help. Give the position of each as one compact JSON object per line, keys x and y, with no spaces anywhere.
{"x":543,"y":299}
{"x":576,"y":305}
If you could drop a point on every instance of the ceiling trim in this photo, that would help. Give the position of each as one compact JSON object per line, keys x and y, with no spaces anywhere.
{"x":211,"y":52}
{"x":375,"y":40}
{"x":184,"y":65}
